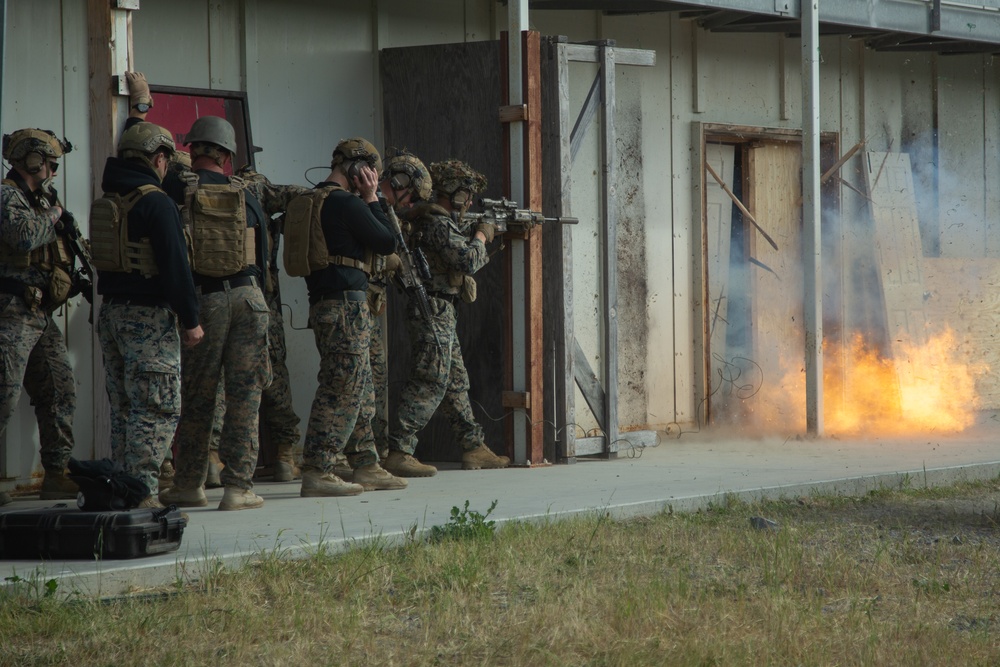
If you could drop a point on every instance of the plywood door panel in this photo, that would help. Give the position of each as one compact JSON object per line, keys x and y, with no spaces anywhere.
{"x":774,"y":189}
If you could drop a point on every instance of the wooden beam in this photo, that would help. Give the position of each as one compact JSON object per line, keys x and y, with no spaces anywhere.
{"x":609,"y":209}
{"x":584,"y":53}
{"x":739,"y":204}
{"x":590,"y":386}
{"x":532,"y":78}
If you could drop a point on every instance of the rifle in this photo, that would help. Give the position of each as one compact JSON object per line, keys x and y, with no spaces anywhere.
{"x":505,"y":214}
{"x":83,"y":277}
{"x":414,"y":269}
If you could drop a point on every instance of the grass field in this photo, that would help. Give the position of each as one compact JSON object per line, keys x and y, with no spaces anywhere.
{"x":897,"y":577}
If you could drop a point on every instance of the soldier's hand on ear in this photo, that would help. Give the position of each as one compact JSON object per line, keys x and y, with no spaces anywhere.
{"x":138,"y":89}
{"x":367,"y":184}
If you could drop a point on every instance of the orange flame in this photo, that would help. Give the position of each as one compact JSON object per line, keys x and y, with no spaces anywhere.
{"x":924,"y":388}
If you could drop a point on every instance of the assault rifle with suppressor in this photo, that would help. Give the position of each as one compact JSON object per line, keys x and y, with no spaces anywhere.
{"x":66,"y":227}
{"x":505,"y":214}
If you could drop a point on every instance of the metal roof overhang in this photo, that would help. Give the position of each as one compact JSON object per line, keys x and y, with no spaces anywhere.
{"x":944,"y":26}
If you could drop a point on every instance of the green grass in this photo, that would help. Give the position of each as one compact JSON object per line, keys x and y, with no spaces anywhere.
{"x":896,"y":577}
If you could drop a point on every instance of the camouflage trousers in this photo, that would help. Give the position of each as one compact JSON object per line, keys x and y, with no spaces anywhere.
{"x":142,"y":366}
{"x":340,"y":420}
{"x":380,"y":381}
{"x":33,"y":353}
{"x":437,"y":378}
{"x":277,"y":415}
{"x":234,"y":352}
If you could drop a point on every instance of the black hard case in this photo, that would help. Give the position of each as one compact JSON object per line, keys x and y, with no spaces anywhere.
{"x":63,"y":532}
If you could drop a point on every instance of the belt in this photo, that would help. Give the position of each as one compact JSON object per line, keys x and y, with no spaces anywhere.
{"x":209,"y":285}
{"x":444,"y":296}
{"x":339,"y":295}
{"x":136,"y":300}
{"x":11,"y":286}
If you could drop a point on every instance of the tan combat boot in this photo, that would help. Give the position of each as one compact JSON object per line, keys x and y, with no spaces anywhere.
{"x":150,"y":502}
{"x":373,"y":477}
{"x":212,"y":480}
{"x":235,"y":498}
{"x":167,"y":473}
{"x":285,"y":469}
{"x":482,"y":457}
{"x":402,"y":464}
{"x":57,"y":486}
{"x":318,"y":484}
{"x":182,"y":497}
{"x":341,"y":468}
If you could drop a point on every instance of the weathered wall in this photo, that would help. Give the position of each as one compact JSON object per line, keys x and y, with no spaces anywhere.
{"x":309,"y":69}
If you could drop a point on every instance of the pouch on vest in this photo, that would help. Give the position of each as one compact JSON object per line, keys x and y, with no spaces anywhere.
{"x":109,"y":245}
{"x":305,"y":244}
{"x":221,"y":243}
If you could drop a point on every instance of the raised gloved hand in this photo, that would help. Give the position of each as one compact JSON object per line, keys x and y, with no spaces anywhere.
{"x":392,"y":263}
{"x":138,"y":89}
{"x":487,"y":229}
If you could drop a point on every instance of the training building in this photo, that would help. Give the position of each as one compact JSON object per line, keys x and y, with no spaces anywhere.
{"x":751,"y":177}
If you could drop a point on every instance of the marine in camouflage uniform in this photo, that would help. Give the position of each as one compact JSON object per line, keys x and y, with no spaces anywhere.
{"x":354,"y":227}
{"x":438,"y":377}
{"x":405,"y":182}
{"x":235,"y":316}
{"x":35,"y":268}
{"x":142,"y":306}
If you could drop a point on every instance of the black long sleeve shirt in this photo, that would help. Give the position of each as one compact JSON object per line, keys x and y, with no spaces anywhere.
{"x":351,"y":227}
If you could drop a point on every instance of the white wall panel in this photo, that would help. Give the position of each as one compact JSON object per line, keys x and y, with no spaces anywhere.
{"x":171,"y":43}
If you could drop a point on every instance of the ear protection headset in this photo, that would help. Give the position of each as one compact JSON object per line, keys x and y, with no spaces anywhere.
{"x":33,"y":162}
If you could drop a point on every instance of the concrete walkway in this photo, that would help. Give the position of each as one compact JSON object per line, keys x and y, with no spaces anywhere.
{"x":683,"y":474}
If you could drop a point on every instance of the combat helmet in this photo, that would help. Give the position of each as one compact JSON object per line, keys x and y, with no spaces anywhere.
{"x":351,"y":151}
{"x":451,"y":177}
{"x":143,"y":139}
{"x":212,"y":130}
{"x":404,"y":170}
{"x":30,"y":147}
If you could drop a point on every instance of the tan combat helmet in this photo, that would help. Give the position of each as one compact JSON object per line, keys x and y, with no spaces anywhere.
{"x":351,"y":153}
{"x":29,"y":148}
{"x":404,"y":170}
{"x":143,"y":139}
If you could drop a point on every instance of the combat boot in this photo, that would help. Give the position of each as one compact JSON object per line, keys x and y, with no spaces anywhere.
{"x":373,"y":477}
{"x":5,"y":498}
{"x":150,"y":502}
{"x":167,"y":473}
{"x":317,"y":484}
{"x":402,"y":464}
{"x":482,"y":457}
{"x":57,"y":486}
{"x":212,"y":480}
{"x":235,"y":498}
{"x":341,"y":468}
{"x":177,"y":495}
{"x":285,"y":469}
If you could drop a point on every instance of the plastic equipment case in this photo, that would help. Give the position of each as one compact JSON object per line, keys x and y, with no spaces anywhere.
{"x":63,"y":532}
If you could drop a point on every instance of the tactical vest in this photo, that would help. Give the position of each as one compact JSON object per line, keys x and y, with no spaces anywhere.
{"x":45,"y":258}
{"x":443,"y":277}
{"x":305,"y":244}
{"x":109,"y":245}
{"x":219,"y":241}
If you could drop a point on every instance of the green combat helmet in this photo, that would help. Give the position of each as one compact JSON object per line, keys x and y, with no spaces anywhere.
{"x":350,"y":152}
{"x":404,"y":170}
{"x":143,"y":139}
{"x":30,"y":147}
{"x":451,"y":176}
{"x":212,"y":130}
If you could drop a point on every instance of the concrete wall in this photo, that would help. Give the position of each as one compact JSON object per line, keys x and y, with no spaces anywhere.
{"x":309,"y":68}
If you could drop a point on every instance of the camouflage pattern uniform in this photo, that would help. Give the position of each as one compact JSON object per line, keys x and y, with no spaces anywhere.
{"x":377,"y":358}
{"x":138,"y":323}
{"x":438,"y":375}
{"x":235,"y":352}
{"x":32,"y":349}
